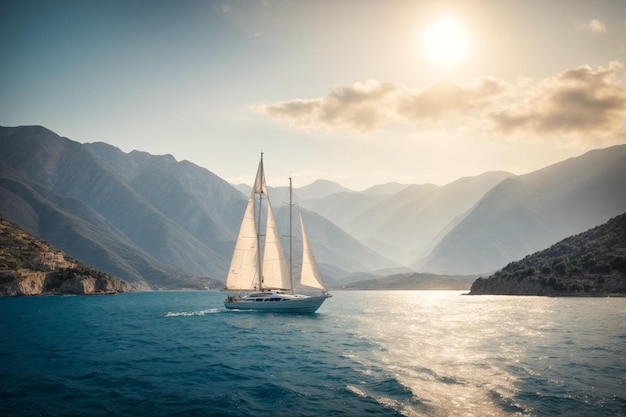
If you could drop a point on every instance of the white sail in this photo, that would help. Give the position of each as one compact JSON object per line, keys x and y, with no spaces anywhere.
{"x":244,"y":266}
{"x":275,"y":271}
{"x":259,"y":182}
{"x":310,"y":275}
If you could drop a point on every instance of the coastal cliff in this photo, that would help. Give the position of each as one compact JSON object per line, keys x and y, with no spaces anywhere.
{"x":592,"y":263}
{"x":30,"y":266}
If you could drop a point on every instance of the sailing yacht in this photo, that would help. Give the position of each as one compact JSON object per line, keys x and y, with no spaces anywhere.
{"x":267,"y":281}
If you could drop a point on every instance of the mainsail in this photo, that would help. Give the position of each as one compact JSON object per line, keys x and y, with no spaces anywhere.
{"x":243,"y":273}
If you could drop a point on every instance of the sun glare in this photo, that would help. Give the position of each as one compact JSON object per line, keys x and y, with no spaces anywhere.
{"x":446,"y":41}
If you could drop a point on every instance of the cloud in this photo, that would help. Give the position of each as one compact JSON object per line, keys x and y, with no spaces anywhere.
{"x":580,"y":103}
{"x":445,"y":98}
{"x":577,"y":102}
{"x":362,"y":106}
{"x":594,"y":25}
{"x":365,"y":106}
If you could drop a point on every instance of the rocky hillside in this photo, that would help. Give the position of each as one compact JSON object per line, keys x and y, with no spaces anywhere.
{"x":30,"y":266}
{"x":590,"y":263}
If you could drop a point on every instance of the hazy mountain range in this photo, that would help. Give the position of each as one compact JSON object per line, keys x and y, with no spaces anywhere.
{"x":403,"y":222}
{"x":524,"y":214}
{"x":169,"y":224}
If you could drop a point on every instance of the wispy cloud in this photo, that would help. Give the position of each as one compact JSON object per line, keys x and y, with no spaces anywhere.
{"x":578,"y":102}
{"x":595,"y":26}
{"x":366,"y":106}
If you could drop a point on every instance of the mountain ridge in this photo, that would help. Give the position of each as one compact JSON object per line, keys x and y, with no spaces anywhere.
{"x":525,"y":213}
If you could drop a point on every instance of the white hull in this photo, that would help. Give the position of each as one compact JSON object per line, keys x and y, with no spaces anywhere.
{"x":273,"y":302}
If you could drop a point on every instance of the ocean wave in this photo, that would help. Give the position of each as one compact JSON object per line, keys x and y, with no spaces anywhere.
{"x":404,"y":408}
{"x":192,"y":313}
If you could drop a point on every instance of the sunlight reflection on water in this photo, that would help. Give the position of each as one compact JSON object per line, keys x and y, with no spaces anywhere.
{"x":456,"y":353}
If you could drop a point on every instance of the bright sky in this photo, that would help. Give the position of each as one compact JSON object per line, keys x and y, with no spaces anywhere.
{"x":359,"y":92}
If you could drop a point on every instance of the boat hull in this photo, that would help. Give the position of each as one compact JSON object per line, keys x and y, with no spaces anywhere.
{"x":302,"y":304}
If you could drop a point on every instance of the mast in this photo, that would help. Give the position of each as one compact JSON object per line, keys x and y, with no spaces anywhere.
{"x":258,"y":222}
{"x":290,"y":238}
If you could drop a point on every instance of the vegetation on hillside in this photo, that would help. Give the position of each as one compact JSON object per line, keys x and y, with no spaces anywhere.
{"x":593,"y":262}
{"x":29,"y":265}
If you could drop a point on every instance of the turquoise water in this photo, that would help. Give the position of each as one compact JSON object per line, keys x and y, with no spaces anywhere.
{"x":414,"y":353}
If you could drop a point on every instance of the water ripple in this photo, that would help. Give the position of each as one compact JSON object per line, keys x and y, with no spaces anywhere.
{"x":410,"y":354}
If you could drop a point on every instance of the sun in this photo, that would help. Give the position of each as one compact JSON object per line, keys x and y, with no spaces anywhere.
{"x":446,"y":41}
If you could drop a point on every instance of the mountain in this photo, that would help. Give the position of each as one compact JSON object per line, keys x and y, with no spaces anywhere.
{"x":30,"y":266}
{"x":198,"y":203}
{"x":68,"y":197}
{"x":414,"y":281}
{"x":77,"y":229}
{"x":523,"y":214}
{"x":389,"y":188}
{"x":338,"y":253}
{"x":405,"y":225}
{"x":316,"y":190}
{"x":320,"y":189}
{"x":148,"y":219}
{"x":590,"y":263}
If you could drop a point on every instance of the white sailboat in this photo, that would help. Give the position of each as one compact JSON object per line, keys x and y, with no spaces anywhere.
{"x":267,"y":281}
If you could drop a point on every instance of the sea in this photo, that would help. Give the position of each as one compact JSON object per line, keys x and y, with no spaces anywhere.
{"x":364,"y":353}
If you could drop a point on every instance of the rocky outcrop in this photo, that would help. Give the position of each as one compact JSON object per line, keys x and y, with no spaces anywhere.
{"x":73,"y":282}
{"x":42,"y":283}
